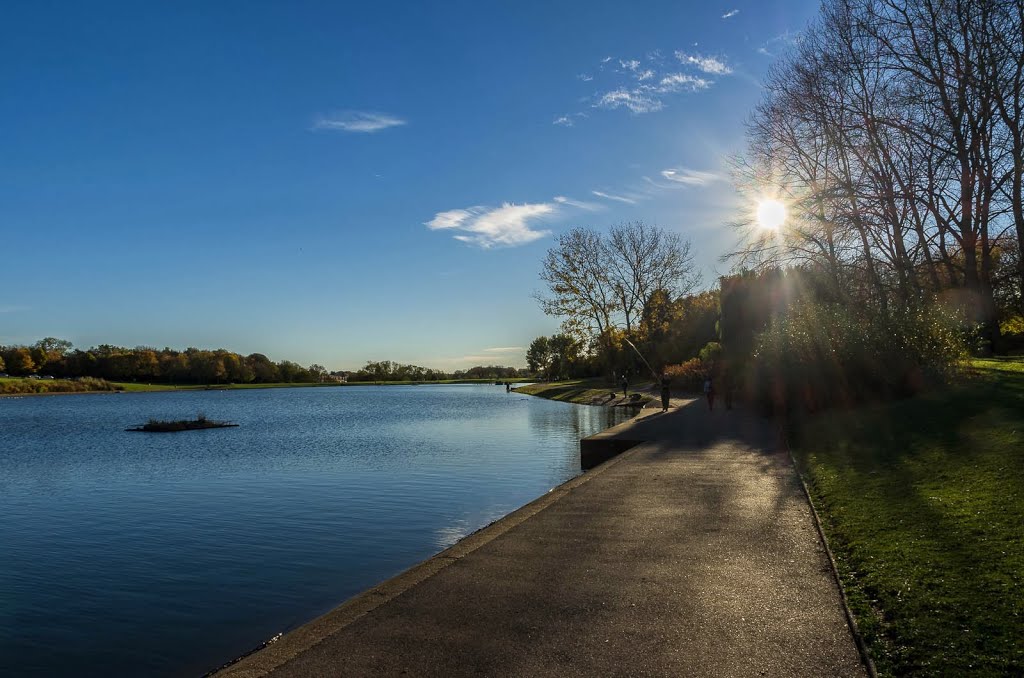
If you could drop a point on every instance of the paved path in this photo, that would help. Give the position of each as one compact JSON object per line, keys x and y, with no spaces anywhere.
{"x":694,"y":554}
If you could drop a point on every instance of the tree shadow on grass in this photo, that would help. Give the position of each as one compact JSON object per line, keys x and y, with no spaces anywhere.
{"x":923,"y":500}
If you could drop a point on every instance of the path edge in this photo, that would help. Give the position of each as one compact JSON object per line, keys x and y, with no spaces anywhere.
{"x":851,"y":621}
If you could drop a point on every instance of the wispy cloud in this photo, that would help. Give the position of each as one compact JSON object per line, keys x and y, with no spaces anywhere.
{"x":504,"y":349}
{"x":579,"y":204}
{"x":568,"y":120}
{"x":681,"y":82}
{"x":510,"y":225}
{"x":357,"y":121}
{"x":731,"y":13}
{"x":646,"y":93}
{"x":584,"y":77}
{"x":13,"y":309}
{"x":780,"y":42}
{"x":706,"y":64}
{"x":639,"y":100}
{"x":688,"y":177}
{"x":617,"y":198}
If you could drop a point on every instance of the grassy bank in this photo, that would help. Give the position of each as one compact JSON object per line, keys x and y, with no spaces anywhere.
{"x":15,"y":386}
{"x":923,"y":503}
{"x":585,"y":391}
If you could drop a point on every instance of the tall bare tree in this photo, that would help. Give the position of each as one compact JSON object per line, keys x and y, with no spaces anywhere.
{"x":599,"y":282}
{"x":894,"y":132}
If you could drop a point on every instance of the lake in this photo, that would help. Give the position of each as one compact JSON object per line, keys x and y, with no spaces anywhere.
{"x":169,"y":554}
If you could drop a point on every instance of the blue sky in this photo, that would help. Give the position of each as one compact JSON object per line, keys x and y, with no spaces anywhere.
{"x":340,"y":182}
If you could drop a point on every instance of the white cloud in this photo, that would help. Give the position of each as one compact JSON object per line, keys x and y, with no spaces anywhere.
{"x":678,"y":82}
{"x":584,"y":77}
{"x":645,"y":75}
{"x":579,"y":204}
{"x":688,"y":177}
{"x":357,"y":121}
{"x":637,"y":100}
{"x":619,"y":198}
{"x":630,"y":64}
{"x":564,"y":121}
{"x":487,"y":227}
{"x":731,"y":13}
{"x":504,"y":349}
{"x":704,"y":63}
{"x":606,"y":59}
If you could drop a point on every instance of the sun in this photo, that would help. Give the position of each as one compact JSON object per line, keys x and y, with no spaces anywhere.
{"x":771,"y":214}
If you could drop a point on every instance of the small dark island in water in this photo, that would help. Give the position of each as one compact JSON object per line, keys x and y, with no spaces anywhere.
{"x":200,"y":422}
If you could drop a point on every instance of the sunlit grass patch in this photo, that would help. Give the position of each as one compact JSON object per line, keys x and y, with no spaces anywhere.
{"x":584,"y":391}
{"x":923,"y":502}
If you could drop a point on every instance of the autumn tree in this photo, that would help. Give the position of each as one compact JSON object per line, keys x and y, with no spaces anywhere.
{"x":19,"y":361}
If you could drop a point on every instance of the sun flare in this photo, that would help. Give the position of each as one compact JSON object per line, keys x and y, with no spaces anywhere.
{"x":771,"y":214}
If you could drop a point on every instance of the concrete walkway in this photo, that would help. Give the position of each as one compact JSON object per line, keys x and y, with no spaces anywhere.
{"x":694,"y":554}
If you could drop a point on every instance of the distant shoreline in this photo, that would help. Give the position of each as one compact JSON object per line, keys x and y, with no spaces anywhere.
{"x":130,"y":387}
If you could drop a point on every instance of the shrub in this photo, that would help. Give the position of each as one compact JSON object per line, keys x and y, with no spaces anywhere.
{"x":711,"y":352}
{"x":1011,"y":335}
{"x":819,"y":355}
{"x":688,"y":376}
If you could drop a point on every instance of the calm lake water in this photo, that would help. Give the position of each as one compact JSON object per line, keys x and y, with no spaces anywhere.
{"x":168,"y":554}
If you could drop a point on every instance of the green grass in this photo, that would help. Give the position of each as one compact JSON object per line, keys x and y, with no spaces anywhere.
{"x":923,"y":503}
{"x":18,"y":386}
{"x":584,"y":391}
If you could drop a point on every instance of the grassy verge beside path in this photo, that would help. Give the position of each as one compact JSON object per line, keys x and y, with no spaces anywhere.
{"x":586,"y":391}
{"x":923,"y":504}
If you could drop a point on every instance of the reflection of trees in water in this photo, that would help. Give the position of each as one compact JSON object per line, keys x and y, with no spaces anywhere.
{"x":568,"y":424}
{"x":583,"y":420}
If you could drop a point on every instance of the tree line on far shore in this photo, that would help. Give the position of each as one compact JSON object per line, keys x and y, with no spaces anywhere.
{"x":58,"y":358}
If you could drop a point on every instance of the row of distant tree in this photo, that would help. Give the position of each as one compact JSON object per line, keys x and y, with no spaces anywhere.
{"x":59,"y":358}
{"x":387,"y":370}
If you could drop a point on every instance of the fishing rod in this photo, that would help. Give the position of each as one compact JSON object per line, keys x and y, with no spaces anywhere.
{"x":653,"y":373}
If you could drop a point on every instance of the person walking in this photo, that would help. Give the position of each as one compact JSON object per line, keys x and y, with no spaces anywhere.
{"x":625,"y":385}
{"x":665,"y":391}
{"x":709,"y":392}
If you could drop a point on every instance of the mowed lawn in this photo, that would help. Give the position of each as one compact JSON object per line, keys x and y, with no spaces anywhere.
{"x":923,"y":504}
{"x":586,"y":391}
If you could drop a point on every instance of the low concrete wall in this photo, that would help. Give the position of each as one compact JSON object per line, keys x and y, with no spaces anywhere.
{"x":601,"y":447}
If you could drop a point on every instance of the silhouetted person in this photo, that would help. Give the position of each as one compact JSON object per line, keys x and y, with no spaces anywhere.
{"x":508,"y":387}
{"x":625,"y":386}
{"x":709,"y":391}
{"x":664,"y":391}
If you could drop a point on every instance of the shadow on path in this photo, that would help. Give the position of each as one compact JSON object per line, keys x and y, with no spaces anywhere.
{"x":691,"y":554}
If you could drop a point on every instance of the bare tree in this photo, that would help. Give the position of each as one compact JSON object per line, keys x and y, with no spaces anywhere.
{"x":893,"y":130}
{"x":597,"y":282}
{"x":642,"y":259}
